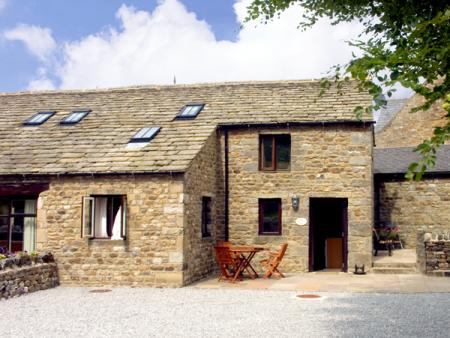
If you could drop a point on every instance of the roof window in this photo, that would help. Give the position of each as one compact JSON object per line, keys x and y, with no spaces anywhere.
{"x":75,"y":117}
{"x":142,"y":137}
{"x":190,"y":111}
{"x":39,"y":118}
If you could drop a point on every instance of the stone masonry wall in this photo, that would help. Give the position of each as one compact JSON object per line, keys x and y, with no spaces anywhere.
{"x":151,"y":255}
{"x":21,"y":280}
{"x":325,"y":162}
{"x":413,"y":205}
{"x":409,"y":129}
{"x":200,"y":180}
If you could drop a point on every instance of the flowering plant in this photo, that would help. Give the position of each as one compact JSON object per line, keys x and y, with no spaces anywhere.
{"x":387,"y":233}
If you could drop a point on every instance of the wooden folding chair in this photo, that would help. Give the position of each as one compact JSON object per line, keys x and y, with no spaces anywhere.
{"x":271,"y":263}
{"x":230,"y":267}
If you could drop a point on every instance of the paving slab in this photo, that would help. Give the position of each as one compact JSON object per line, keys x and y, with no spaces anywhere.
{"x":338,"y":282}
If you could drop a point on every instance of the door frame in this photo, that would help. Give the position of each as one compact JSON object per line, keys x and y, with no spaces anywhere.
{"x":344,"y":231}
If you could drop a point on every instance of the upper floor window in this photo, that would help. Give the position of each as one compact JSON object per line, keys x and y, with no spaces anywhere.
{"x":104,"y":217}
{"x":206,"y":216}
{"x":270,"y":216}
{"x":190,"y":111}
{"x":75,"y":117}
{"x":275,"y":152}
{"x":39,"y":118}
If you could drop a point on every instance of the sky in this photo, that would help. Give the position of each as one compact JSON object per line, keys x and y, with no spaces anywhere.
{"x":54,"y":44}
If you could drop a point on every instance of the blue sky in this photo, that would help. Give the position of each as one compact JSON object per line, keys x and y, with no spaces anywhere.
{"x":54,"y":44}
{"x":71,"y":20}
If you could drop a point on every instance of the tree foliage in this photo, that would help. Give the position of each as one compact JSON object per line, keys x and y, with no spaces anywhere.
{"x":403,"y":42}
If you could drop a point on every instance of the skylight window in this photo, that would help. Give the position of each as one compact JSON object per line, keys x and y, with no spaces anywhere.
{"x":145,"y":135}
{"x":39,"y":118}
{"x":190,"y":111}
{"x":75,"y":117}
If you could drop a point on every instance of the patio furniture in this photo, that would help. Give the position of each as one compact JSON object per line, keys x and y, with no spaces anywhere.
{"x":246,"y":254}
{"x":230,"y":267}
{"x":271,"y":264}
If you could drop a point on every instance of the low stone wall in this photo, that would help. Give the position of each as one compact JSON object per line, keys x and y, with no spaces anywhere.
{"x":433,"y":253}
{"x":20,"y":280}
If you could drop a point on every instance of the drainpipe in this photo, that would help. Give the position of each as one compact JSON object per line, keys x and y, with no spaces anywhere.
{"x":226,"y":185}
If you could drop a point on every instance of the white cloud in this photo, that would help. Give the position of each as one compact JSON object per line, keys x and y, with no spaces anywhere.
{"x":37,"y":40}
{"x":153,"y":47}
{"x":41,"y":81}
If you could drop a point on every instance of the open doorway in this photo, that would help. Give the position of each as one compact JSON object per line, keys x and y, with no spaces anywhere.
{"x":328,"y":228}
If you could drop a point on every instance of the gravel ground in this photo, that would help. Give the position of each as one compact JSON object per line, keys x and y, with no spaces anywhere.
{"x":188,"y":312}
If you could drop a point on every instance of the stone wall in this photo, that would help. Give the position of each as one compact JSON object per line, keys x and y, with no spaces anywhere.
{"x":200,"y":180}
{"x":21,"y":280}
{"x":326,"y":161}
{"x":433,"y":251}
{"x":413,"y":205}
{"x":409,"y":129}
{"x":151,"y":255}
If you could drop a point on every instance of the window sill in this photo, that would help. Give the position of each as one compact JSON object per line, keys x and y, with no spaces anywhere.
{"x":106,"y":240}
{"x":270,"y":234}
{"x":274,"y":171}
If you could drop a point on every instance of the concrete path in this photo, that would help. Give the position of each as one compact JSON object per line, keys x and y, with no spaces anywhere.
{"x":339,"y":282}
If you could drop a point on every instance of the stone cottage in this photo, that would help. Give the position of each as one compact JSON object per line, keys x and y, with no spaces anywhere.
{"x":134,"y":186}
{"x":410,"y":205}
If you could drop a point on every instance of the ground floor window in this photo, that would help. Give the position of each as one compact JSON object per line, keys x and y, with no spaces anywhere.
{"x":206,"y":216}
{"x":270,"y":216}
{"x":104,"y":217}
{"x":17,"y":224}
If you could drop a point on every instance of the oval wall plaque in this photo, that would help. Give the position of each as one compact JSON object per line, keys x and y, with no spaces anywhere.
{"x":301,"y":221}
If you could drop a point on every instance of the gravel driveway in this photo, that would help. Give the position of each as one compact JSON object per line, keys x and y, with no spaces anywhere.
{"x":188,"y":312}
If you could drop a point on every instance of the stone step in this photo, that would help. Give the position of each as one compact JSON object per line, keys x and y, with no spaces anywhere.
{"x":394,"y":271}
{"x":394,"y":264}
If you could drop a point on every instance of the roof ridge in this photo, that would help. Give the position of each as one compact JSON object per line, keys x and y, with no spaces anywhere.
{"x":163,"y":86}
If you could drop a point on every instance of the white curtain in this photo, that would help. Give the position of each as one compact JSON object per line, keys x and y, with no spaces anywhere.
{"x":117,"y":225}
{"x":100,"y":217}
{"x":29,"y":231}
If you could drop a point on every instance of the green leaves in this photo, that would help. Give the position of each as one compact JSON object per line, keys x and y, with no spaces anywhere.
{"x":406,"y":42}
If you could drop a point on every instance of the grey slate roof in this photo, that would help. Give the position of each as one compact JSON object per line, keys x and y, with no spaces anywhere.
{"x":98,"y":143}
{"x":397,"y":160}
{"x":388,"y":112}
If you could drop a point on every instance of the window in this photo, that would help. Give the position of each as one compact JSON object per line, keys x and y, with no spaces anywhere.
{"x":190,"y":111}
{"x":104,"y":217}
{"x":206,"y":216}
{"x":270,"y":216}
{"x":39,"y":118}
{"x":145,"y":134}
{"x":17,"y":224}
{"x":75,"y":117}
{"x":275,"y":152}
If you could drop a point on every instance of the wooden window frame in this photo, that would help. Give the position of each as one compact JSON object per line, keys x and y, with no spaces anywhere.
{"x":274,"y":166}
{"x":261,"y":231}
{"x":205,"y":200}
{"x":123,"y":228}
{"x":11,"y":215}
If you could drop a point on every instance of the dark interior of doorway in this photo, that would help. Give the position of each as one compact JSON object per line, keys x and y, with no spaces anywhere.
{"x":328,"y":234}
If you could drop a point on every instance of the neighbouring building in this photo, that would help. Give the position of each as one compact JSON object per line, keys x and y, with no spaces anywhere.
{"x":134,"y":186}
{"x":407,"y":204}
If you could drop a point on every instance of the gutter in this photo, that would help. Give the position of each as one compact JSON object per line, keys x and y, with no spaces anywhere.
{"x":243,"y":125}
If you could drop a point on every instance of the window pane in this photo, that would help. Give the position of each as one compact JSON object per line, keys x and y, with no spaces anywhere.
{"x":270,"y":215}
{"x":116,"y":220}
{"x":29,"y":234}
{"x":17,"y":225}
{"x":283,"y":151}
{"x":4,"y":208}
{"x":267,"y":146}
{"x":100,"y":218}
{"x":4,"y":235}
{"x":18,"y":207}
{"x":88,"y":208}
